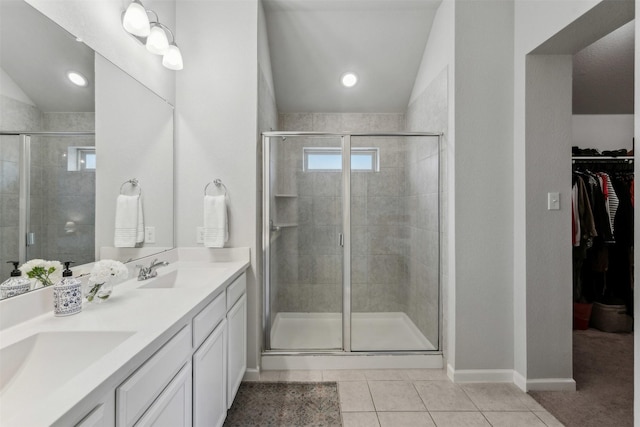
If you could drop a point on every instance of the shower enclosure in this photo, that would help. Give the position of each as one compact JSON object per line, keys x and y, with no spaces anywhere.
{"x":351,"y":242}
{"x":47,"y":189}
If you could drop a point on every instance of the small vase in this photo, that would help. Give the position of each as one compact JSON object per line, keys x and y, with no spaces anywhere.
{"x":98,"y":292}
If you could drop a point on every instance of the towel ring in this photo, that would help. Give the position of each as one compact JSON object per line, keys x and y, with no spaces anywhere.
{"x":218,"y":183}
{"x":134,"y":183}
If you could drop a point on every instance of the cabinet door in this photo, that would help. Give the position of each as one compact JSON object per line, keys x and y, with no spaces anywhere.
{"x":237,"y":355}
{"x":173,"y":407}
{"x":210,"y":379}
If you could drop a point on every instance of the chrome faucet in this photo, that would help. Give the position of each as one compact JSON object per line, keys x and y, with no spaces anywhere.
{"x":149,"y":272}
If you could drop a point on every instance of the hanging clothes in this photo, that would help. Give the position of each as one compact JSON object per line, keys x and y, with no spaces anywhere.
{"x":602,"y":234}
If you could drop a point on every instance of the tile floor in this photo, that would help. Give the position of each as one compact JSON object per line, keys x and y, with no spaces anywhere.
{"x":423,"y":398}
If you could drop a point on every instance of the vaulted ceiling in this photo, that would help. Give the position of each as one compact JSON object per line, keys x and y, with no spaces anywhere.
{"x":37,"y":54}
{"x":313,"y":42}
{"x":603,"y":74}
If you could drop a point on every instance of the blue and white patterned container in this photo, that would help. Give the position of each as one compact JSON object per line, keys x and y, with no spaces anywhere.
{"x":16,"y":284}
{"x":67,"y":294}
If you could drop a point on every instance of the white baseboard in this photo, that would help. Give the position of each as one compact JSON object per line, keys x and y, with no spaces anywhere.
{"x":482,"y":376}
{"x":251,"y":375}
{"x":520,"y":381}
{"x":552,"y":384}
{"x":510,"y":376}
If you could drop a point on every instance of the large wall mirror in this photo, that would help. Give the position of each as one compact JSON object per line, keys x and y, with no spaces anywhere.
{"x":67,"y":150}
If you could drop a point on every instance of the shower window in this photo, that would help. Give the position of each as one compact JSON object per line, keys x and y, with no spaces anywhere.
{"x":81,"y":159}
{"x":329,"y":159}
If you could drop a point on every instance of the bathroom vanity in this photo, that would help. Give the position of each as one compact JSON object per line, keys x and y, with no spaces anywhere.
{"x":170,"y":350}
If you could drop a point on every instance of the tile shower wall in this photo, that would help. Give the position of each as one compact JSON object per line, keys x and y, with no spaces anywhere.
{"x":68,"y":217}
{"x":429,"y":112}
{"x":310,"y":258}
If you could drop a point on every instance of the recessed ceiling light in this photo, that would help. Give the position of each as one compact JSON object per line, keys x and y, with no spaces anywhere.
{"x":349,"y":79}
{"x":77,"y":79}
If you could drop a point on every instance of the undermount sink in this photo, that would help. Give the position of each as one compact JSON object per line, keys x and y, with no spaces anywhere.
{"x":36,"y":366}
{"x":184,"y":278}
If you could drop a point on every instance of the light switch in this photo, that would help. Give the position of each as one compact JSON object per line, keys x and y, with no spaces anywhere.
{"x":553,"y":201}
{"x":199,"y":234}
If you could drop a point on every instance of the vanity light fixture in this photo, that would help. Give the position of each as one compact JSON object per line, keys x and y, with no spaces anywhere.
{"x":157,"y":42}
{"x":135,"y":19}
{"x":153,"y":34}
{"x":77,"y":79}
{"x":349,"y":79}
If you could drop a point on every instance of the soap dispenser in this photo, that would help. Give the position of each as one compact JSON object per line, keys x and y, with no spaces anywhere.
{"x":67,"y":294}
{"x":16,"y":284}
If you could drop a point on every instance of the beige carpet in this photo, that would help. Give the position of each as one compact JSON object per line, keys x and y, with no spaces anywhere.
{"x":603,"y":370}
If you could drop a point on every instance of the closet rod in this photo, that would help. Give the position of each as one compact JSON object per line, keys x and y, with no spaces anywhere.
{"x":591,"y":158}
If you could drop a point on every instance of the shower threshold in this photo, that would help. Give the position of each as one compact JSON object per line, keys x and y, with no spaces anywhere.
{"x":382,"y":331}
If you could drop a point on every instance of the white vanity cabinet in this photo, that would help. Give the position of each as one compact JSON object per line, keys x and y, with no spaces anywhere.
{"x":135,"y":396}
{"x":194,"y":377}
{"x":220,"y":362}
{"x":210,"y":379}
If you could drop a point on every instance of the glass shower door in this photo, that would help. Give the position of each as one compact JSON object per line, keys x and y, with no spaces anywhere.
{"x":304,"y":248}
{"x":394,"y":243}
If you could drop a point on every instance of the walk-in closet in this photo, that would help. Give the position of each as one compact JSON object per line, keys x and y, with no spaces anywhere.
{"x":602,"y":207}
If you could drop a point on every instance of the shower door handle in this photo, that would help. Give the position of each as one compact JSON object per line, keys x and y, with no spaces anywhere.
{"x":341,"y":238}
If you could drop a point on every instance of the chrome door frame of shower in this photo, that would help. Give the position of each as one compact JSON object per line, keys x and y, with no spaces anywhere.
{"x":24,"y":221}
{"x":346,"y":224}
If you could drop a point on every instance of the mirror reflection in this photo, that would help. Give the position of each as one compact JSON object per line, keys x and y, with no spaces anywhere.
{"x":55,"y":166}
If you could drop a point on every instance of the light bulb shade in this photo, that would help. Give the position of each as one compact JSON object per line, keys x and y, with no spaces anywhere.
{"x":157,"y":41}
{"x":173,"y":58}
{"x":135,"y":20}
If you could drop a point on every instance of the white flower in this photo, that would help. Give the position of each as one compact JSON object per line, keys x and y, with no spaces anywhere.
{"x":46,"y":272}
{"x":108,"y":270}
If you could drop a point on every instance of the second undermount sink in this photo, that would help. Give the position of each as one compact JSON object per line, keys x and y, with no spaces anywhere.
{"x":184,"y":278}
{"x":36,"y":366}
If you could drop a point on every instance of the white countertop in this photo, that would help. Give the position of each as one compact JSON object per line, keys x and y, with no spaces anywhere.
{"x":152,"y":316}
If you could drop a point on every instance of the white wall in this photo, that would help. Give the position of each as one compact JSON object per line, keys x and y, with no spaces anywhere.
{"x":483,"y":187}
{"x":133,"y":140}
{"x":98,"y":24}
{"x":439,"y":50}
{"x":535,"y":22}
{"x":542,"y":260}
{"x":603,"y":131}
{"x":216,"y":127}
{"x":549,"y":268}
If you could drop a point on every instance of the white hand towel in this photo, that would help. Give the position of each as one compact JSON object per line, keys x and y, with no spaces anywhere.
{"x":127,"y":211}
{"x":140,"y":225}
{"x":216,"y":228}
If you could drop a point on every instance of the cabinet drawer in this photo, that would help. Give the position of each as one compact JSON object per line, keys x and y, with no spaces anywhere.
{"x":208,"y":319}
{"x":236,"y":289}
{"x":137,"y":393}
